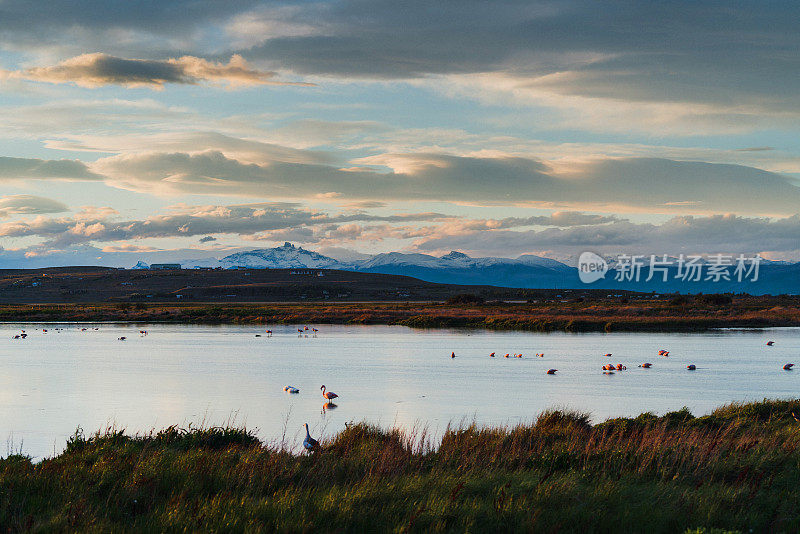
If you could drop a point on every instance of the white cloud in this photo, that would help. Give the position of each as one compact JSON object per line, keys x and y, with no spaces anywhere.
{"x":99,"y":69}
{"x":29,"y":204}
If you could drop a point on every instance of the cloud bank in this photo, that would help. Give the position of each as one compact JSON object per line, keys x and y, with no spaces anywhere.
{"x":29,"y":204}
{"x":98,"y":69}
{"x":659,"y":185}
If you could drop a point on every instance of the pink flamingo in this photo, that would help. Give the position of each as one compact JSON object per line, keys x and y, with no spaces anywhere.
{"x":330,"y":395}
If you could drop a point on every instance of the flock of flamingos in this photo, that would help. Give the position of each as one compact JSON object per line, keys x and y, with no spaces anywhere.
{"x":312,"y":445}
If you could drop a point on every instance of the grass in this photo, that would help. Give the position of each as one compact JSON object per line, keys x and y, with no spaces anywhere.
{"x":737,"y":469}
{"x":576,"y":315}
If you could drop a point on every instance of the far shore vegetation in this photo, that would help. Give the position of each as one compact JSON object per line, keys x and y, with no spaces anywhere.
{"x":671,"y":313}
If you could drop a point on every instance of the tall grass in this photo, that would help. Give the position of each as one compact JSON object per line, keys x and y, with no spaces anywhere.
{"x":737,"y":469}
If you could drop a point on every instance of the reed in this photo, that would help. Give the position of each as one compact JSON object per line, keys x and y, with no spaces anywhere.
{"x":736,"y":469}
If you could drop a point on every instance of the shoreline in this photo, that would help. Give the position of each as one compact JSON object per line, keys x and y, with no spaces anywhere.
{"x":735,"y":469}
{"x":589,"y":316}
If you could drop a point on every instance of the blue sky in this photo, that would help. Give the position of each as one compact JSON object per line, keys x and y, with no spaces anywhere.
{"x":134,"y":130}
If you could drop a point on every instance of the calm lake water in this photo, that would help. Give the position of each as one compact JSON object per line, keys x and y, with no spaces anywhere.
{"x":53,"y":382}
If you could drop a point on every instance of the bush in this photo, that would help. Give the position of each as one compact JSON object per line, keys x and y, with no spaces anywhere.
{"x":716,"y":299}
{"x":466,"y":298}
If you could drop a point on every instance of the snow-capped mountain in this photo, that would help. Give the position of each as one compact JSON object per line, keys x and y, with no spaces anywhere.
{"x":287,"y":256}
{"x":527,"y":271}
{"x":455,"y":267}
{"x":458,"y":268}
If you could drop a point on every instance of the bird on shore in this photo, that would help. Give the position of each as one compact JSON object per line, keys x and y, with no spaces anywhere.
{"x":290,"y":389}
{"x":122,"y":338}
{"x":330,"y":395}
{"x":770,"y":343}
{"x":691,"y":367}
{"x":452,"y":355}
{"x":551,"y":371}
{"x":310,"y":443}
{"x":788,"y":366}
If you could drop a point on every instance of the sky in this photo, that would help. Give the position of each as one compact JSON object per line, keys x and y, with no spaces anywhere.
{"x":163,"y":130}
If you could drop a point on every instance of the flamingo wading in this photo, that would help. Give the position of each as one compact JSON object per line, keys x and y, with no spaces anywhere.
{"x":330,"y":395}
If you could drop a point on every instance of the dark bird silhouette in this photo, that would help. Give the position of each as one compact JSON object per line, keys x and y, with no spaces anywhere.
{"x":310,"y":443}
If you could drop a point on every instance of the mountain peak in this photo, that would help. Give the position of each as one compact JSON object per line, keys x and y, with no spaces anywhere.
{"x":453,"y":255}
{"x":287,"y":246}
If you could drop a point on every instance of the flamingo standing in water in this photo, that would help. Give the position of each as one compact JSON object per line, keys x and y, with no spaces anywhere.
{"x":452,"y":355}
{"x":646,"y":365}
{"x":310,"y":443}
{"x":491,"y":355}
{"x":330,"y":395}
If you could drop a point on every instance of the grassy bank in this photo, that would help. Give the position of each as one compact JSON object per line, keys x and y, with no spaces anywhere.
{"x":576,"y":315}
{"x":736,"y":469}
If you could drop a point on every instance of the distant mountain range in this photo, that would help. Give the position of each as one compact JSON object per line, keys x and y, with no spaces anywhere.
{"x":527,"y":271}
